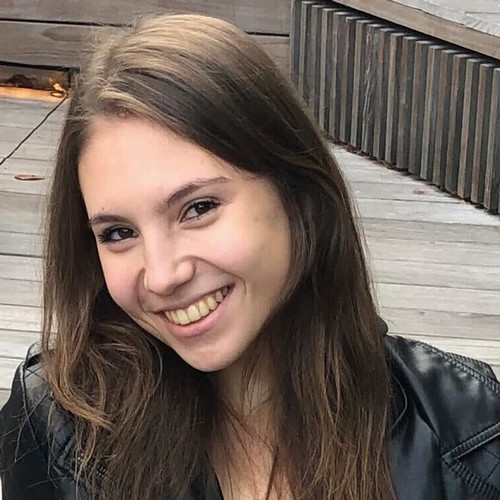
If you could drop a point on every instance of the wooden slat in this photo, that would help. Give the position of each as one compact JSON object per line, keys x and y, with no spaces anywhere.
{"x":272,"y":16}
{"x":431,"y":25}
{"x":15,"y":267}
{"x":427,"y":252}
{"x":21,"y":212}
{"x":418,"y":106}
{"x":9,"y":184}
{"x":404,"y":191}
{"x":454,"y":133}
{"x":442,"y":124}
{"x":358,"y":83}
{"x":441,"y":323}
{"x":481,"y":138}
{"x":20,"y":292}
{"x":426,"y":211}
{"x":12,"y":243}
{"x":440,"y":274}
{"x":15,"y":166}
{"x":430,"y":231}
{"x":469,"y":127}
{"x":430,"y":298}
{"x":430,"y":110}
{"x":15,"y":343}
{"x":492,"y":174}
{"x":326,"y":68}
{"x":65,"y":45}
{"x":394,"y":97}
{"x":404,"y":107}
{"x":21,"y":318}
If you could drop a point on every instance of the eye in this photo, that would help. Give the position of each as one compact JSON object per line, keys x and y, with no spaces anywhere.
{"x":116,"y":234}
{"x":199,"y":209}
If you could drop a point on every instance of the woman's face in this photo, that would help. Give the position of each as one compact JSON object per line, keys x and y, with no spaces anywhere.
{"x":193,"y":250}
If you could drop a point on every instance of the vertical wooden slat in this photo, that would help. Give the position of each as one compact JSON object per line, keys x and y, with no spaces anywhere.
{"x":382,"y":79}
{"x":418,"y":106}
{"x":393,"y":98}
{"x":370,"y":85}
{"x":405,"y":101}
{"x":442,"y":117}
{"x":454,"y":143}
{"x":315,"y":57}
{"x":305,"y":47}
{"x":338,"y":27}
{"x":346,"y":91}
{"x":358,"y":83}
{"x":481,"y":139}
{"x":295,"y":48}
{"x":430,"y":111}
{"x":492,"y":174}
{"x":469,"y":126}
{"x":326,"y":68}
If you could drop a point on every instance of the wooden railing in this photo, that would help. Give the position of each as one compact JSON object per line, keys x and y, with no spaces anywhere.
{"x":418,"y":103}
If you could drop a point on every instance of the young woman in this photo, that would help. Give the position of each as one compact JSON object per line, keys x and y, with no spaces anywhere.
{"x":216,"y":331}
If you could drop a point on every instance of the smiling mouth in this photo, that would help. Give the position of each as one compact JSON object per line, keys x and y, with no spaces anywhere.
{"x":199,"y":309}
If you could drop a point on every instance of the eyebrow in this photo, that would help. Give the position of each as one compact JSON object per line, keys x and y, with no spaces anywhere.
{"x":165,"y":205}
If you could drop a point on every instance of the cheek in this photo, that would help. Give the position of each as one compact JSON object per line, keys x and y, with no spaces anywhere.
{"x":120,"y":281}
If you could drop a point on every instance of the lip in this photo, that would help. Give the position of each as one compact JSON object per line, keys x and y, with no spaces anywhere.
{"x":200,"y":327}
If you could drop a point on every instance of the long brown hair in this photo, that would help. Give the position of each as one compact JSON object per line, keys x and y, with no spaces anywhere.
{"x":143,"y":418}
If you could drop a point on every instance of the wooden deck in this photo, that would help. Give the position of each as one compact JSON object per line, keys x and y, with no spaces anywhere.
{"x":436,"y":259}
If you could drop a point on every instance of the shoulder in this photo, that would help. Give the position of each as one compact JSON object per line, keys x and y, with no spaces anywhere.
{"x":34,"y":434}
{"x":448,"y":411}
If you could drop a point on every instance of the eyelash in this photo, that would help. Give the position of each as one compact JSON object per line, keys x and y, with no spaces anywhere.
{"x":105,"y":236}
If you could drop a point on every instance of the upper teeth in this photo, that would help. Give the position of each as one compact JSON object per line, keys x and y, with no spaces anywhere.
{"x":198,"y":309}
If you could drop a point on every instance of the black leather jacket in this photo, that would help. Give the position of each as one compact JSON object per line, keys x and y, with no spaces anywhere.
{"x":445,"y":440}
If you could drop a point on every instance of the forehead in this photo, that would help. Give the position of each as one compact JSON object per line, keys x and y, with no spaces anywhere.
{"x":134,"y":148}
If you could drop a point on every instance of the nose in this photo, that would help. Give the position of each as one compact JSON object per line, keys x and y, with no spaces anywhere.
{"x":166,"y":267}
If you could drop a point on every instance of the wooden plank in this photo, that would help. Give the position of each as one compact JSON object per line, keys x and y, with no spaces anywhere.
{"x":358,"y":83}
{"x":20,"y":318}
{"x":418,"y":107}
{"x":492,"y":173}
{"x":16,"y":267}
{"x":404,"y":107}
{"x":430,"y":110}
{"x":434,"y":26}
{"x":453,"y":136}
{"x":469,"y":125}
{"x":442,"y":275}
{"x":15,"y":166}
{"x":12,"y":243}
{"x":441,"y":323}
{"x":9,"y":184}
{"x":426,"y":211}
{"x":453,"y":300}
{"x":481,"y":138}
{"x":346,"y":81}
{"x":381,"y":79}
{"x":373,"y":190}
{"x":394,"y":97}
{"x":326,"y":69}
{"x":429,"y":231}
{"x":272,"y":16}
{"x":20,"y":292}
{"x":21,"y":212}
{"x":45,"y":44}
{"x":442,"y":124}
{"x":427,"y":252}
{"x":304,"y":75}
{"x":370,"y":85}
{"x":15,"y":343}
